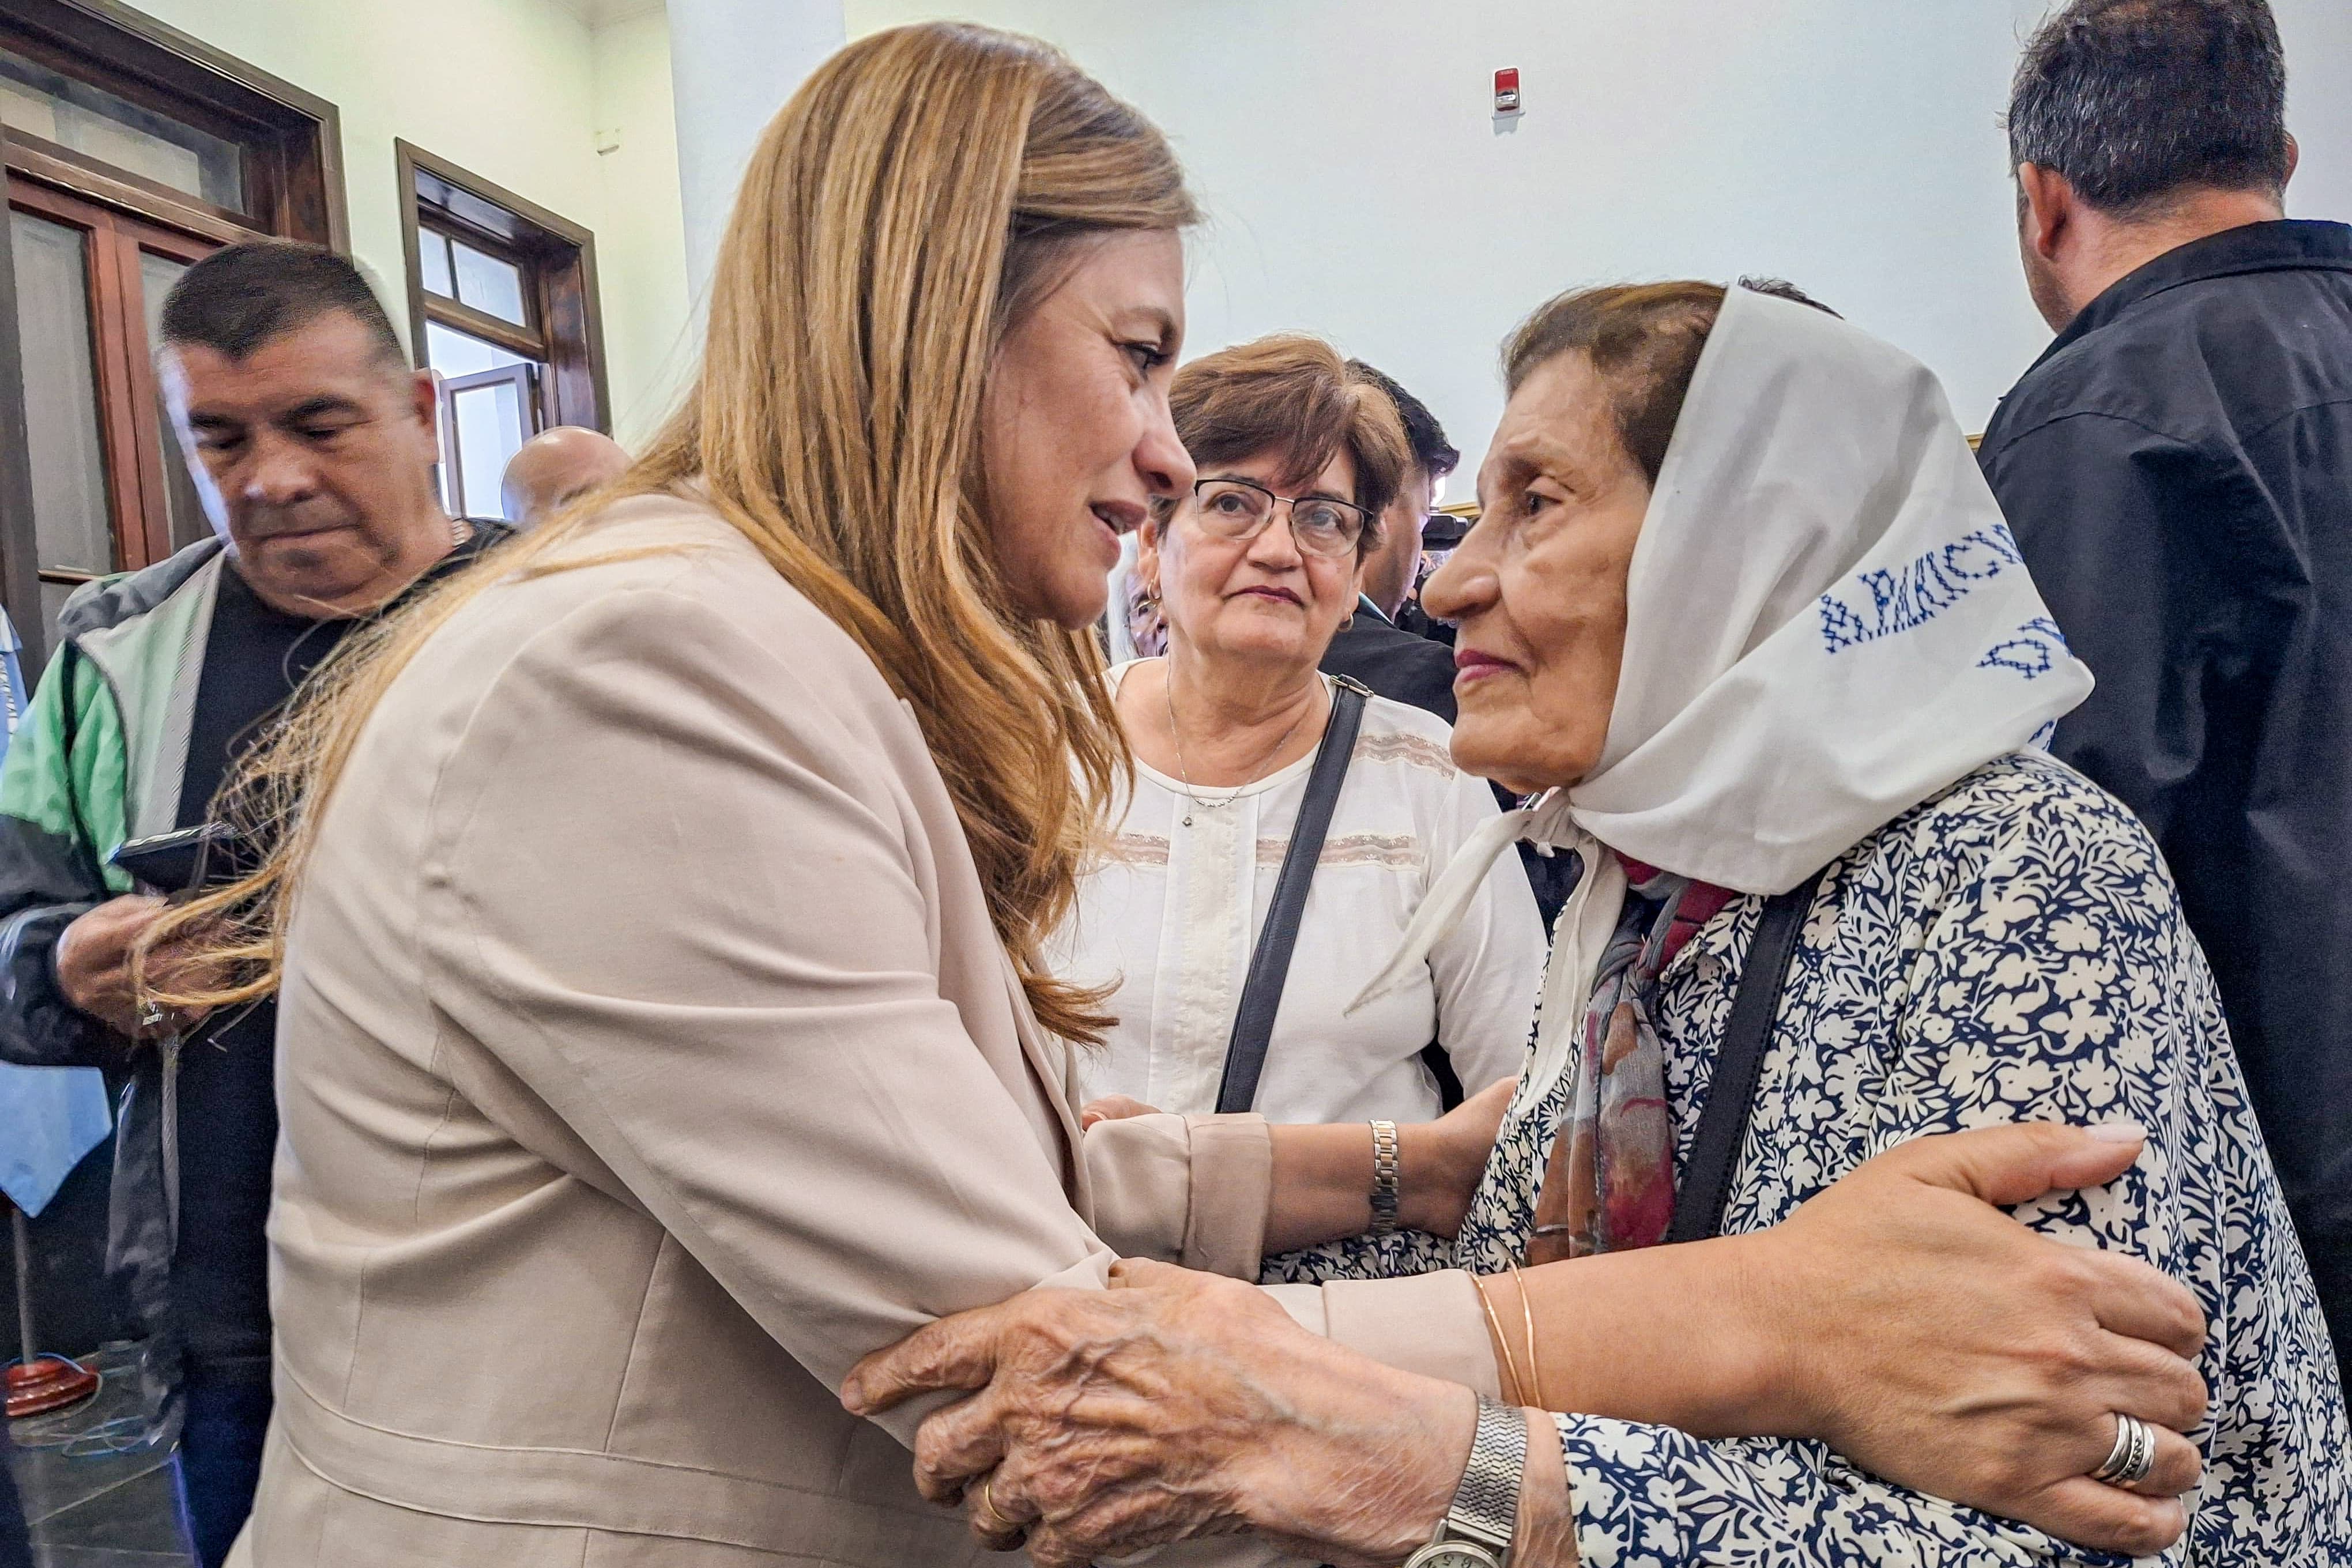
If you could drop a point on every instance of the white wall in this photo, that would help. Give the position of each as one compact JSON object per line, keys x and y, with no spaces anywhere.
{"x":2319,"y":38}
{"x":649,"y":348}
{"x":732,"y":63}
{"x":506,"y":89}
{"x":1358,"y":187}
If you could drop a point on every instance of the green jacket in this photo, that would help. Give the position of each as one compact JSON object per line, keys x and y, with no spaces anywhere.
{"x":97,"y":760}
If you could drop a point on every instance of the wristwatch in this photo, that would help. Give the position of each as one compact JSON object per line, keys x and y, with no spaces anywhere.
{"x":1386,"y":1192}
{"x":1476,"y":1530}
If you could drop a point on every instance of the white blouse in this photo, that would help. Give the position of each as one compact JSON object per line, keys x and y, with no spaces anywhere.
{"x":1172,"y":916}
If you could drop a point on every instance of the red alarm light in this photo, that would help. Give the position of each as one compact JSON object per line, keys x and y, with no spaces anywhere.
{"x":1506,"y":91}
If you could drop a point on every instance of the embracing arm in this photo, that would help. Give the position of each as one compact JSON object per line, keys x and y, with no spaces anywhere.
{"x":1206,"y":1410}
{"x":1970,"y":1349}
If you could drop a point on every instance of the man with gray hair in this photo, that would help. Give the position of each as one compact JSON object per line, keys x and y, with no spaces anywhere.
{"x":2178,"y":468}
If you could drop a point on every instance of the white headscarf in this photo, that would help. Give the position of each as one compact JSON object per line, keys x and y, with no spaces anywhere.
{"x":1827,"y":622}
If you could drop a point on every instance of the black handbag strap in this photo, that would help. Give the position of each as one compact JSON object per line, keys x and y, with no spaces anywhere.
{"x":1723,"y":1125}
{"x":1270,"y":963}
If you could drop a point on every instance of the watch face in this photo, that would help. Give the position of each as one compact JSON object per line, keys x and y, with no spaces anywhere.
{"x":1454,"y":1554}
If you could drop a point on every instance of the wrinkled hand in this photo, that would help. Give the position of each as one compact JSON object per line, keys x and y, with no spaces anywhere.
{"x":93,"y":963}
{"x":1939,"y":1343}
{"x":1175,"y":1405}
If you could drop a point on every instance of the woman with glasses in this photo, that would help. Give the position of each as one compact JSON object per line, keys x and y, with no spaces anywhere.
{"x":1255,"y":570}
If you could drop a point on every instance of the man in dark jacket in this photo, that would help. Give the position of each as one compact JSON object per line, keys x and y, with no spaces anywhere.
{"x":2178,"y":468}
{"x":1397,"y":664}
{"x":313,"y":443}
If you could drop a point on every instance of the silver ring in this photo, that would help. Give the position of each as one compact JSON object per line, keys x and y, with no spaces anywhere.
{"x":2133,"y":1456}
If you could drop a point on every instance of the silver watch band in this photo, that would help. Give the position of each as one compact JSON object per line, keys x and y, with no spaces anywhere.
{"x":1486,"y":1503}
{"x":1385,"y":1185}
{"x":1477,"y":1528}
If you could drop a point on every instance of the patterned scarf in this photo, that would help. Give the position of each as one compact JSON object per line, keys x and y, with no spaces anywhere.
{"x":1609,"y":1184}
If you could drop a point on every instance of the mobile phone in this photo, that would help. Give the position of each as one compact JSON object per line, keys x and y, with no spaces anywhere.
{"x":177,"y":862}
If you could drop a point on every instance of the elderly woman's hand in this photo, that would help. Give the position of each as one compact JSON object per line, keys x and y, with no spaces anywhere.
{"x":1944,"y":1346}
{"x":1178,"y":1407}
{"x":1897,"y":1316}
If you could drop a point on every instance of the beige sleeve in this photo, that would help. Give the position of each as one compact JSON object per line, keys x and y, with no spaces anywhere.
{"x":1428,"y":1323}
{"x":672,"y":895}
{"x":1191,"y":1190}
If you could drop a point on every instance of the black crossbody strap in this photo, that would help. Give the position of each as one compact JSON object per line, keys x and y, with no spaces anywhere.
{"x":1270,"y":964}
{"x":1723,"y":1126}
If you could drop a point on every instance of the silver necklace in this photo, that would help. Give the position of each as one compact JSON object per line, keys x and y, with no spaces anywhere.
{"x":1176,"y":732}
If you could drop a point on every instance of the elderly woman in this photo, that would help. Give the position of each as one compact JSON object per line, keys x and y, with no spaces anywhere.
{"x":1740,"y":599}
{"x":1254,"y":569}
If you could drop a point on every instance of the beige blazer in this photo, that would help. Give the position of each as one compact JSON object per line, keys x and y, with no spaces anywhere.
{"x":646,"y":1057}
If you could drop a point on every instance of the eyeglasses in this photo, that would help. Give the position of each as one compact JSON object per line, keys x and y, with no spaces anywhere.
{"x":1236,"y":509}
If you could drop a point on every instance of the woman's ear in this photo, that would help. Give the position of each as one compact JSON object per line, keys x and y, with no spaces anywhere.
{"x":1146,"y":555}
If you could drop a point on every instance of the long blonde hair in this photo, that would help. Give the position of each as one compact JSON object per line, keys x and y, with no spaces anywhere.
{"x":923,"y":188}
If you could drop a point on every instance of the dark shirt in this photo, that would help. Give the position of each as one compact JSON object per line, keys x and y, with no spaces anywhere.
{"x":228,"y":1104}
{"x":2178,"y":468}
{"x":1393,"y":662}
{"x":254,"y":658}
{"x":1422,"y":624}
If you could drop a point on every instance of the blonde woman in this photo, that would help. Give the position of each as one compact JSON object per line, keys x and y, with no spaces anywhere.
{"x":663,"y":1028}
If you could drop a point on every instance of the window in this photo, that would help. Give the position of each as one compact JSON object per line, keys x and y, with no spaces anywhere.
{"x":109,"y":487}
{"x":52,"y":107}
{"x":502,"y":301}
{"x":132,"y":152}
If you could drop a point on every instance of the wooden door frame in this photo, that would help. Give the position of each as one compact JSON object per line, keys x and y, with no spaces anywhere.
{"x":138,"y":517}
{"x":296,"y":165}
{"x":133,"y":238}
{"x":118,"y":432}
{"x":294,"y":171}
{"x":560,"y":256}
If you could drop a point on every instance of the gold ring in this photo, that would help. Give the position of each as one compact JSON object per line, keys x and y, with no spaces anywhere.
{"x":1002,"y":1526}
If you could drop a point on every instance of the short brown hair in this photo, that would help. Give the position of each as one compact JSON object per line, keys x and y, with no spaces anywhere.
{"x":1293,"y":394}
{"x":245,"y":295}
{"x":1643,"y":339}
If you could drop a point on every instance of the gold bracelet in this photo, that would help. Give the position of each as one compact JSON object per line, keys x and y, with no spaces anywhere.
{"x":1478,"y":1284}
{"x":1527,"y":1312}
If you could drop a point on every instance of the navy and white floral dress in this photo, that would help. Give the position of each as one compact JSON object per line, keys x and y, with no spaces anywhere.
{"x":2012,"y":950}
